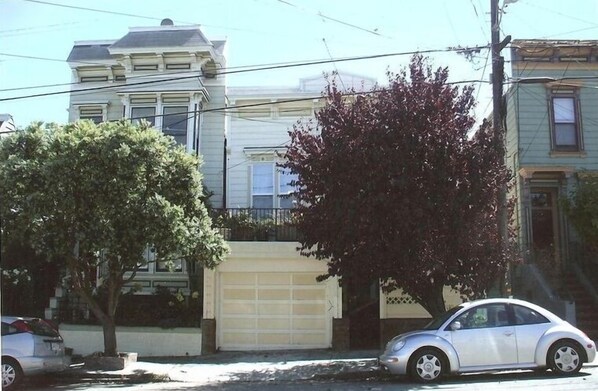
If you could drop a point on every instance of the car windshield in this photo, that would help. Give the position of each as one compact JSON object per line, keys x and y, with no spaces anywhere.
{"x":439,"y":321}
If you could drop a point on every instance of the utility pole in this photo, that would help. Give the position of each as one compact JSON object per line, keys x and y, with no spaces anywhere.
{"x":499,"y":131}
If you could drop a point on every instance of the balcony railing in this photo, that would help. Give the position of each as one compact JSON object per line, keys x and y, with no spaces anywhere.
{"x":255,"y":224}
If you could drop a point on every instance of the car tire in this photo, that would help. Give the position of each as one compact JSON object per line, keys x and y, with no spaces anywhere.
{"x":564,"y":357}
{"x":11,"y":373}
{"x":427,"y":365}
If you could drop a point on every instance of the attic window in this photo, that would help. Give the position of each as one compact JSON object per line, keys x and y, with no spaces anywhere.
{"x":178,"y":66}
{"x":536,"y":59}
{"x":573,"y":59}
{"x":145,"y":67}
{"x":91,"y":79}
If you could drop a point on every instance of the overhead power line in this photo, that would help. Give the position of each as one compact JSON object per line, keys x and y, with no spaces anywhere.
{"x":255,"y":69}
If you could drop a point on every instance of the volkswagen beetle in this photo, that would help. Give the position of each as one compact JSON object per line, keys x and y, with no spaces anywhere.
{"x":489,"y":335}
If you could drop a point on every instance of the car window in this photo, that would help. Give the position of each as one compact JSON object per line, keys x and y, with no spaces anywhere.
{"x":489,"y":315}
{"x":8,"y":329}
{"x":524,"y":315}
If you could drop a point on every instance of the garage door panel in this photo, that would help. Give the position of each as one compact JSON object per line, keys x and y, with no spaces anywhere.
{"x":238,"y":308}
{"x":308,"y":309}
{"x":274,"y":339}
{"x":309,"y":324}
{"x":305,"y":279}
{"x":273,"y":279}
{"x":238,"y":294}
{"x":235,"y":339}
{"x":274,"y":294}
{"x":273,"y":309}
{"x":239,"y":323}
{"x":237,"y":278}
{"x":309,"y":294}
{"x":273,"y":324}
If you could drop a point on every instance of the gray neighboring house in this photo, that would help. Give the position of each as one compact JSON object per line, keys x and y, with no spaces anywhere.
{"x":7,"y":124}
{"x":552,"y":146}
{"x":167,"y":75}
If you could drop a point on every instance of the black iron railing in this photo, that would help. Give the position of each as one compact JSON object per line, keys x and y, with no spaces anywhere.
{"x":255,"y":224}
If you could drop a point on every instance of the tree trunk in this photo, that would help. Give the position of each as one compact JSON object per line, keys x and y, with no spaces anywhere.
{"x":433,"y":302}
{"x":109,"y":329}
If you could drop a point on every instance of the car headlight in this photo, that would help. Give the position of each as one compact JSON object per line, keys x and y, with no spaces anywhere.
{"x":398,"y":345}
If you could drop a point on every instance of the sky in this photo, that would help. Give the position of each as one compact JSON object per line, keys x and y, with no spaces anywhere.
{"x":37,"y":36}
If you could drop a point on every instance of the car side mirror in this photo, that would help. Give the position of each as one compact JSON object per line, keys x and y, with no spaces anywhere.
{"x":456,"y":325}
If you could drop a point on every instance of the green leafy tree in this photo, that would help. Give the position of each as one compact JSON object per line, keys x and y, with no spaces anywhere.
{"x":95,"y":196}
{"x":582,"y":209}
{"x":391,"y":187}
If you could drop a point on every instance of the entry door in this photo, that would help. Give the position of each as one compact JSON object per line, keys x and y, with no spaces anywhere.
{"x":545,"y":230}
{"x":486,"y":337}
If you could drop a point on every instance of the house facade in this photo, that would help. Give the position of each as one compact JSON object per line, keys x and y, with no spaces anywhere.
{"x":552,"y":145}
{"x":167,"y":75}
{"x":265,"y":295}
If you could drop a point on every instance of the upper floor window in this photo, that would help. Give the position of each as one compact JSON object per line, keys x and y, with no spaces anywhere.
{"x":146,"y":113}
{"x":174,"y":123}
{"x":565,"y":124}
{"x":271,"y":188}
{"x":286,"y":188}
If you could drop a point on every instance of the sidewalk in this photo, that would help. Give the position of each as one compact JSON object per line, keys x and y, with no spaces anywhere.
{"x":250,"y":367}
{"x":245,"y":367}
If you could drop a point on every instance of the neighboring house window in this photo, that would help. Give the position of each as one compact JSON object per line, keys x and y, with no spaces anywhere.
{"x":177,"y":266}
{"x":94,"y":114}
{"x":565,"y":124}
{"x":147,"y":113}
{"x":174,"y":123}
{"x":269,"y":190}
{"x":262,"y":185}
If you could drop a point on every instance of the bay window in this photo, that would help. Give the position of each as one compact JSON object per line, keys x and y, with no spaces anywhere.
{"x":146,"y":113}
{"x":174,"y":123}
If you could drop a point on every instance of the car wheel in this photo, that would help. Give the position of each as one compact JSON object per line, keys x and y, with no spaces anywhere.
{"x":11,"y":373}
{"x":564,"y":358}
{"x":426,"y":365}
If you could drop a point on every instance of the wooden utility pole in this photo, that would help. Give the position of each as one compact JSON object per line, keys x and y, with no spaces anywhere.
{"x":497,"y":124}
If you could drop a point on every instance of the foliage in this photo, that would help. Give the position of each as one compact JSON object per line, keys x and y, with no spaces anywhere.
{"x":96,"y":195}
{"x":582,"y":209}
{"x":391,"y":187}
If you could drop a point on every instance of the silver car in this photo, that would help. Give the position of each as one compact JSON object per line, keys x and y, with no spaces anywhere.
{"x":30,"y":346}
{"x":489,"y":335}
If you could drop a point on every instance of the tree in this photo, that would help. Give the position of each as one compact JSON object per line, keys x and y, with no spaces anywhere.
{"x":391,"y":187}
{"x":582,"y":209}
{"x":95,"y":196}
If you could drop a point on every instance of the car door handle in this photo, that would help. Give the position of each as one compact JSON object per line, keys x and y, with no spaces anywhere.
{"x":508,"y":333}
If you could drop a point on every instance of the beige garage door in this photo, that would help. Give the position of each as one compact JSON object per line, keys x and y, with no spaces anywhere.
{"x":272,"y":311}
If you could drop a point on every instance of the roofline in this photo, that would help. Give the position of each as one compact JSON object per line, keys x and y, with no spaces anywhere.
{"x":159,"y":28}
{"x":95,"y":42}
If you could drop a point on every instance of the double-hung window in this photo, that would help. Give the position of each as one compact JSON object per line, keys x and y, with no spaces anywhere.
{"x":286,"y":188}
{"x":566,"y":135}
{"x":146,"y":113}
{"x":174,"y":123}
{"x":271,"y":187}
{"x":262,"y":185}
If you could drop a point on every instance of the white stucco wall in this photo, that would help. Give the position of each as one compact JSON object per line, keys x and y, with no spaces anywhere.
{"x":145,"y":341}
